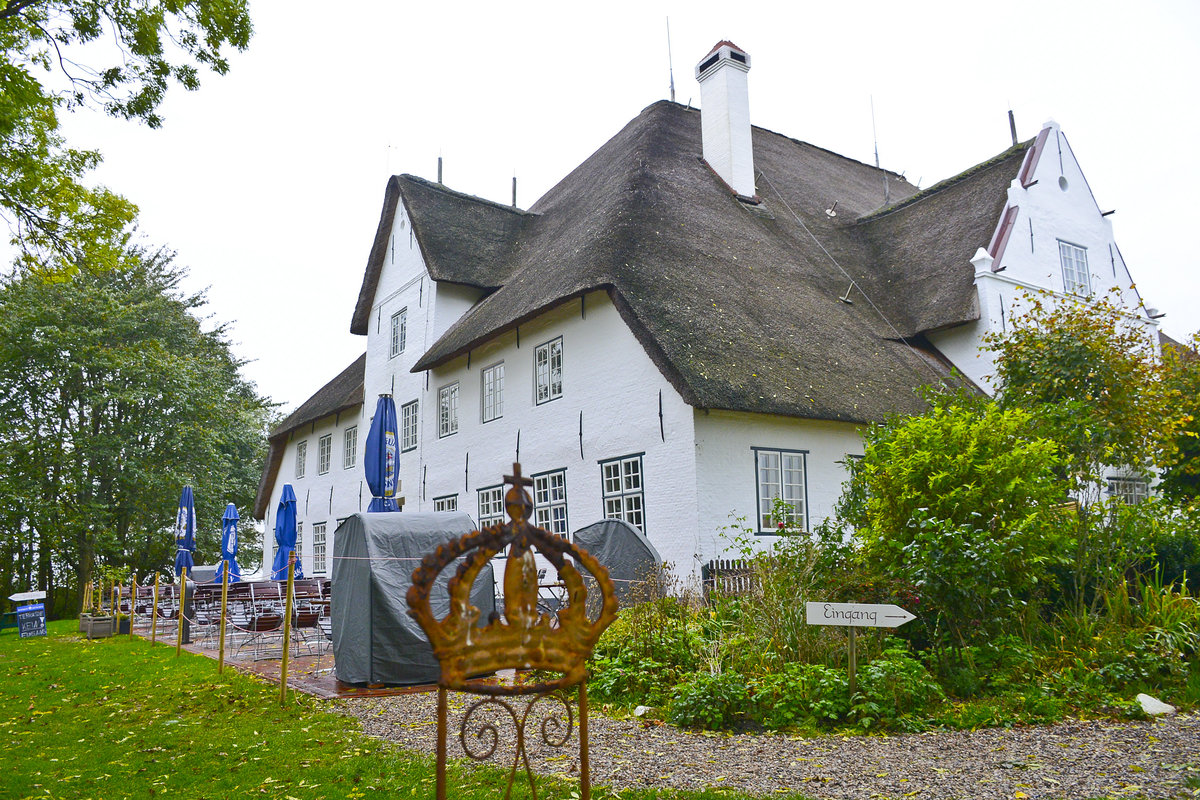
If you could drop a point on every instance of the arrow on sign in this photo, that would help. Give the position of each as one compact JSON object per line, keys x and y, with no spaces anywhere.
{"x":857,"y":615}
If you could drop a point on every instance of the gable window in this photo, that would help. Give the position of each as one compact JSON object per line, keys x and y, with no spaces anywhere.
{"x":324,"y":453}
{"x":399,"y":333}
{"x":1076,"y":278}
{"x":408,"y":426}
{"x":448,"y":410}
{"x":350,"y":447}
{"x":447,"y":503}
{"x":621,"y":486}
{"x":550,"y":501}
{"x":491,"y":506}
{"x":1128,"y":490}
{"x":780,"y":476}
{"x":491,"y":386}
{"x":301,"y":458}
{"x":318,"y":548}
{"x":547,"y":370}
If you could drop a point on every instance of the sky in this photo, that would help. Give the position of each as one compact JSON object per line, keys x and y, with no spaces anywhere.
{"x":268,"y":182}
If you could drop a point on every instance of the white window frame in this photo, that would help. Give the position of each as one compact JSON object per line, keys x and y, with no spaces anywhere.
{"x":1076,"y":277}
{"x":448,"y":502}
{"x":1128,"y":490}
{"x":350,"y":447}
{"x":301,"y":458}
{"x":550,"y":501}
{"x":491,"y":506}
{"x":547,"y":371}
{"x":448,"y":410}
{"x":399,"y":333}
{"x":623,"y":489}
{"x":324,"y":453}
{"x":299,"y":541}
{"x":408,"y":427}
{"x":491,"y":392}
{"x":318,"y":545}
{"x":772,"y":469}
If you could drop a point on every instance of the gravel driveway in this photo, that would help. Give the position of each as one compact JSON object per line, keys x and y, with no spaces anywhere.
{"x":1156,"y":759}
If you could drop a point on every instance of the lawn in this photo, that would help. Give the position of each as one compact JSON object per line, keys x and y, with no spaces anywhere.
{"x":118,"y":718}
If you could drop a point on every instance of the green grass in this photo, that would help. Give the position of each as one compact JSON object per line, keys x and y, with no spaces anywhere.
{"x":117,"y":718}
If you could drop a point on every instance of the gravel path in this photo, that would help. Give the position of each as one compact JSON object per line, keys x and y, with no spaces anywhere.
{"x":1089,"y":759}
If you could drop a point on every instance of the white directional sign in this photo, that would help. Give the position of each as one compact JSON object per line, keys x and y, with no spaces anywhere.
{"x":858,"y":615}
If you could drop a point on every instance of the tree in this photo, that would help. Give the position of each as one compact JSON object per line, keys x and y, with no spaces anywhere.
{"x":114,"y":397}
{"x":1181,"y":376}
{"x":56,"y":221}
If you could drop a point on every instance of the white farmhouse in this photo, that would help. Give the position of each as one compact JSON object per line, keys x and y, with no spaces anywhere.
{"x":698,"y":319}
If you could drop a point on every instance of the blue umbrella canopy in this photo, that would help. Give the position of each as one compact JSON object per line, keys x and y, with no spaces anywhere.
{"x":382,"y":462}
{"x":229,"y":545}
{"x":185,"y":533}
{"x":285,"y":535}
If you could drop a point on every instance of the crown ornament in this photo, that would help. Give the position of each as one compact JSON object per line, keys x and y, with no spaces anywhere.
{"x":522,"y":637}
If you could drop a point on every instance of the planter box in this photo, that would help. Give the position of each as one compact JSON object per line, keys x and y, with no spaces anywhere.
{"x":96,"y":626}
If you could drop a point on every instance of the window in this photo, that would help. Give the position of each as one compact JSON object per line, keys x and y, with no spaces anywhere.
{"x":547,"y":370}
{"x":301,"y":457}
{"x":299,"y":541}
{"x":1076,"y":278}
{"x":491,"y":506}
{"x":780,"y":475}
{"x":622,"y":488}
{"x":408,"y":426}
{"x":447,"y":503}
{"x":399,"y":333}
{"x":491,"y":386}
{"x":1128,"y":490}
{"x":350,"y":447}
{"x":324,"y":453}
{"x":448,"y":410}
{"x":318,"y":548}
{"x":550,"y":501}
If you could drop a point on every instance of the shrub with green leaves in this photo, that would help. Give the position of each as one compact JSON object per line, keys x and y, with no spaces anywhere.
{"x":895,"y":690}
{"x":802,"y":695}
{"x":712,"y":701}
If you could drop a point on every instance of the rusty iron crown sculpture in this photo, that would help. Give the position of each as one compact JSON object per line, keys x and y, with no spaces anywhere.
{"x":522,"y":638}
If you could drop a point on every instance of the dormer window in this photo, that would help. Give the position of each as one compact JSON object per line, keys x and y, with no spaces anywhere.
{"x":1076,"y":279}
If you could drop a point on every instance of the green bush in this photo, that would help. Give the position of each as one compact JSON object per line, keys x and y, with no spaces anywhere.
{"x":712,"y":701}
{"x":894,"y":689}
{"x":802,"y":695}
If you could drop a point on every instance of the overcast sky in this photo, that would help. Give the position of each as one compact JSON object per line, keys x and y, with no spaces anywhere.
{"x":268,"y":182}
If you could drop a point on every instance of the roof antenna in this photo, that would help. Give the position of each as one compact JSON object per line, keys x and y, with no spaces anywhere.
{"x":670,"y":60}
{"x":439,"y":169}
{"x":887,"y":191}
{"x":1012,"y":126}
{"x":846,"y":297}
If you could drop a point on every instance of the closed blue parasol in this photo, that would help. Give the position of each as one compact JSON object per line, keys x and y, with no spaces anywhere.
{"x":229,"y":545}
{"x":285,"y":535}
{"x":185,"y":533}
{"x":382,"y":462}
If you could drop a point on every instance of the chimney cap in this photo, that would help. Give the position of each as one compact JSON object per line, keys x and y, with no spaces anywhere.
{"x":723,"y":52}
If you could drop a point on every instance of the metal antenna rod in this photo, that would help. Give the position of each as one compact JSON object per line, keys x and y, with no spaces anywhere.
{"x":670,"y":60}
{"x":887,"y":193}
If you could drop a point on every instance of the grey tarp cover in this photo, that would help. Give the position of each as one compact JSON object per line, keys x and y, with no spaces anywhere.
{"x":628,"y":554}
{"x":374,"y":639}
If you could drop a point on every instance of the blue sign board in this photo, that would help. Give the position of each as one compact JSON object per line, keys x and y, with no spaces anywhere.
{"x":31,"y":620}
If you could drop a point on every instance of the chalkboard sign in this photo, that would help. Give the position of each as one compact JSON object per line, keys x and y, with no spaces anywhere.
{"x":31,"y":620}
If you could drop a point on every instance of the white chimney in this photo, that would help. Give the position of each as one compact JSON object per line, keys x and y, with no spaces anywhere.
{"x":725,"y":115}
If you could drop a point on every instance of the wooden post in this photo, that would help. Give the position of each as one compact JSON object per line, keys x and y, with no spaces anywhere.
{"x":132,"y":600}
{"x":853,"y":666}
{"x":224,"y":600}
{"x":182,"y":594}
{"x":585,"y":772}
{"x":287,"y":628}
{"x":154,"y":612}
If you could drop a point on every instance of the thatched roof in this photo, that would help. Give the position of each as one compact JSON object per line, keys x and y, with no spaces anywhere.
{"x":738,"y":305}
{"x":341,"y":394}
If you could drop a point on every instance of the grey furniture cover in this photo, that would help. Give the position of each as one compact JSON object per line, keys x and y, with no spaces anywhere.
{"x":630,"y":557}
{"x":374,"y":639}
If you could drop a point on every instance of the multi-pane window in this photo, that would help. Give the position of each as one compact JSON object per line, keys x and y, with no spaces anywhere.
{"x":447,"y":503}
{"x":621,"y":484}
{"x":1128,"y":490}
{"x":1076,"y":278}
{"x":491,"y":506}
{"x":448,"y":410}
{"x":299,"y":541}
{"x":324,"y":453}
{"x":547,"y":370}
{"x":550,"y":501}
{"x":780,"y":475}
{"x":319,"y":548}
{"x":301,"y":457}
{"x":399,"y":333}
{"x":350,"y":447}
{"x":491,"y":386}
{"x":408,"y":426}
